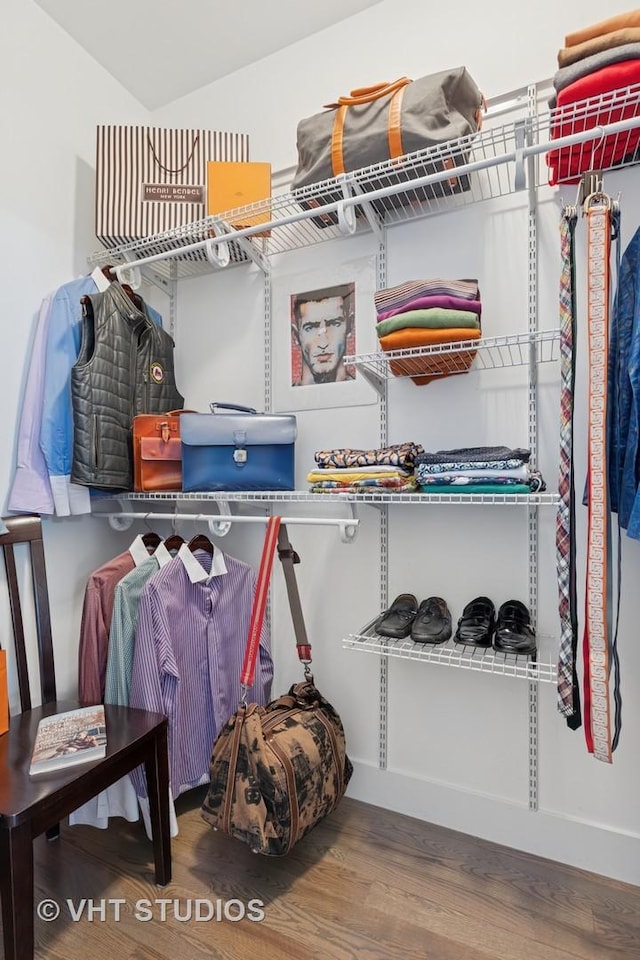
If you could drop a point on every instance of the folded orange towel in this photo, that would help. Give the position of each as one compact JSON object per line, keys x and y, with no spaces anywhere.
{"x":630,"y":19}
{"x":424,"y":369}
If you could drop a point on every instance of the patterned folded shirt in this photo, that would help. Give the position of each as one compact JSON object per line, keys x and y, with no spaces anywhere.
{"x":396,"y":455}
{"x":474,"y":454}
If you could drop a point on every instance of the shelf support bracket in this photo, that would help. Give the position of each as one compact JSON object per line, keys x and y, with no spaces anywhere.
{"x":119,"y":523}
{"x":346,"y":211}
{"x":367,"y":208}
{"x":222,"y":228}
{"x":520,"y":179}
{"x":220,"y":528}
{"x":130,"y":275}
{"x":349,"y":528}
{"x":217,"y":253}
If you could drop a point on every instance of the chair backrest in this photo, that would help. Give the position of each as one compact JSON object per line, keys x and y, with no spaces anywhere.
{"x":28,"y":530}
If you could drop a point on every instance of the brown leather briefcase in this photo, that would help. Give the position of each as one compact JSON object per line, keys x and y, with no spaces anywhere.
{"x":157,"y":452}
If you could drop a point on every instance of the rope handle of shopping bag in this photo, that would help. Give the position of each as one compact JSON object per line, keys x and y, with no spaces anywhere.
{"x":276,"y":535}
{"x":367,"y":95}
{"x":169,"y":169}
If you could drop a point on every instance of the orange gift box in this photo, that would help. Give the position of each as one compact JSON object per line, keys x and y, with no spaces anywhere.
{"x":232,"y":185}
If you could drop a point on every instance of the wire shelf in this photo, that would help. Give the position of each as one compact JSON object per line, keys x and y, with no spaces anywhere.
{"x":191,"y":263}
{"x":601,"y":133}
{"x":444,"y":359}
{"x":451,"y":654}
{"x":302,"y":496}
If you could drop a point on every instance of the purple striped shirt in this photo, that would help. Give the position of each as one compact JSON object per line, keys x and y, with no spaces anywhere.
{"x":189,"y":648}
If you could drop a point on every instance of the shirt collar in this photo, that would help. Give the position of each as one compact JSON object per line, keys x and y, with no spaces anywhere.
{"x":140,"y":554}
{"x":138,"y":550}
{"x":162,"y":555}
{"x":195,"y":571}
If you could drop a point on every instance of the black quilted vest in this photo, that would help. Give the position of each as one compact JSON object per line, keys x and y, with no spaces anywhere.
{"x":124,"y":367}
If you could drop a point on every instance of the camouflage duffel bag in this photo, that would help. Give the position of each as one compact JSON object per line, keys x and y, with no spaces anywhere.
{"x":276,"y":771}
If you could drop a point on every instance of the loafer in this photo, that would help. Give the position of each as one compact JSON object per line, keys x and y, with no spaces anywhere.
{"x":477,"y":623}
{"x":396,"y":622}
{"x":514,"y":633}
{"x":432,"y":623}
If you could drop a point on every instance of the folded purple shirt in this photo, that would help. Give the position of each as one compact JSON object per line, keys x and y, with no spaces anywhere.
{"x":446,"y":303}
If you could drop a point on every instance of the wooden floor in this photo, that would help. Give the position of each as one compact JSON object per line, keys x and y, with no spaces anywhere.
{"x":365,"y":884}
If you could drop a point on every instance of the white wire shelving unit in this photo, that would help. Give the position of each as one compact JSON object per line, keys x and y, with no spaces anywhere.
{"x":490,"y":164}
{"x":521,"y":141}
{"x":451,"y":654}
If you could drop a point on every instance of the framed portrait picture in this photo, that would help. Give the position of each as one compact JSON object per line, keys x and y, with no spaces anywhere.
{"x":320,"y":317}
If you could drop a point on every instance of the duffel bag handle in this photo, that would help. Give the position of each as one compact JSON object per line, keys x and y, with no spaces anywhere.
{"x":276,"y":535}
{"x":369,"y":94}
{"x":231,"y":406}
{"x":364,"y":95}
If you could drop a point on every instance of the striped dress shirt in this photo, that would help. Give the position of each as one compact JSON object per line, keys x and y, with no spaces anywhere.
{"x":193,"y":623}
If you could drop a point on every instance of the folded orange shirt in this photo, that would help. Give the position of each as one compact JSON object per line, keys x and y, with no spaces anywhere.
{"x":619,"y":22}
{"x":425,"y":369}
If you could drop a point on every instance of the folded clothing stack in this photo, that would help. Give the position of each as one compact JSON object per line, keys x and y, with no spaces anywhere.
{"x":595,"y":62}
{"x":477,"y":470}
{"x":347,"y":470}
{"x":422,"y":313}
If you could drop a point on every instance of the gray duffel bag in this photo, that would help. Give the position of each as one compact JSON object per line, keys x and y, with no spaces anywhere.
{"x":387,"y":121}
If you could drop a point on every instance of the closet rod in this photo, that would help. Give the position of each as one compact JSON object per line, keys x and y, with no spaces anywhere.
{"x":214,"y":247}
{"x":220,"y":524}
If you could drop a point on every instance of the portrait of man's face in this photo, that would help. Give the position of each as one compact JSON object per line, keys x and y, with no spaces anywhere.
{"x":321,"y":324}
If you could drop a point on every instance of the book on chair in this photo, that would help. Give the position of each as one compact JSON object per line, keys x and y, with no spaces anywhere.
{"x":66,"y":739}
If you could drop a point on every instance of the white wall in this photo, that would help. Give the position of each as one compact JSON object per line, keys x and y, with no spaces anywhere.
{"x":54,"y":94}
{"x":457,"y":742}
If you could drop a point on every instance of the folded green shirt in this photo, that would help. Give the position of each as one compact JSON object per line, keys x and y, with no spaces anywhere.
{"x":436,"y":318}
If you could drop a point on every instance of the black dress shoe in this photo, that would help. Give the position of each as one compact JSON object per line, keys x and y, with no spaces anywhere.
{"x":432,"y":623}
{"x":514,"y":633}
{"x":397,"y":620}
{"x":477,"y":623}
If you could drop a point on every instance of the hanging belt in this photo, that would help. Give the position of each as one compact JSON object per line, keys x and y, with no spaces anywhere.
{"x":568,"y":685}
{"x":597,"y":632}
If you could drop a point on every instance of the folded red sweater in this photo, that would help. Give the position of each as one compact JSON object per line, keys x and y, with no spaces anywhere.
{"x":568,"y":163}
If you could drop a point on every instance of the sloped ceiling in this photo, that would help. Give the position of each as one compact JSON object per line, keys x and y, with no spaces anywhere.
{"x":161,"y":50}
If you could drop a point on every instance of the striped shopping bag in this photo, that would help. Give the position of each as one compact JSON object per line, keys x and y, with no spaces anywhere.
{"x":150,"y":180}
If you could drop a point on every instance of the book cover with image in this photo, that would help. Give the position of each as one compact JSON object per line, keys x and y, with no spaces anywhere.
{"x":65,"y":739}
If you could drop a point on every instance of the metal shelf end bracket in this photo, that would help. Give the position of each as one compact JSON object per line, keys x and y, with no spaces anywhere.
{"x":220,"y":528}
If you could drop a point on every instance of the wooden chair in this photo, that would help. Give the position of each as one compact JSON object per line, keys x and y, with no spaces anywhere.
{"x":31,"y":806}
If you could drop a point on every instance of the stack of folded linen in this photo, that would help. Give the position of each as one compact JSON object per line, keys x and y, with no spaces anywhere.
{"x":347,"y":470}
{"x":477,"y":470}
{"x":423,"y":313}
{"x":594,"y":63}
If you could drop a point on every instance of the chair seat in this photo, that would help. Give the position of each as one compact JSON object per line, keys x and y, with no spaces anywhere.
{"x":23,"y":796}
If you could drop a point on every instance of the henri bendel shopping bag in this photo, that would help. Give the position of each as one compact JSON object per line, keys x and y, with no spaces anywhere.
{"x":149,"y":180}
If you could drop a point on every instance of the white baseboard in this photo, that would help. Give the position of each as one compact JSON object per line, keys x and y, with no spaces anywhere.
{"x":574,"y":842}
